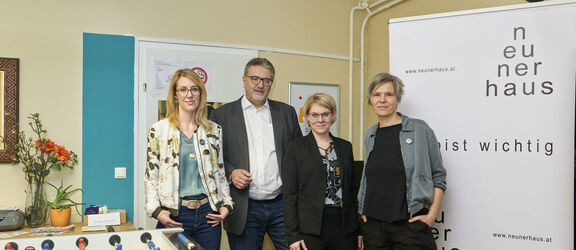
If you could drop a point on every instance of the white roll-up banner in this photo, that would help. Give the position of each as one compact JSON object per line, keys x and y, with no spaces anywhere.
{"x":497,"y":87}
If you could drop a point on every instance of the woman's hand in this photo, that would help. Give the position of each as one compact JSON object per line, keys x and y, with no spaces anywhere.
{"x":215,"y":219}
{"x":428,"y":219}
{"x":364,"y":219}
{"x":164,"y":218}
{"x":298,"y":245}
{"x":433,"y":210}
{"x":360,"y":242}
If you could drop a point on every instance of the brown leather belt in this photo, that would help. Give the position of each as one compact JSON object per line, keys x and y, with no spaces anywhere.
{"x":194,"y":204}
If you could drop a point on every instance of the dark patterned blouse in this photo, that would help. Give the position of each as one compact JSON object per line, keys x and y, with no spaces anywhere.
{"x":333,"y":180}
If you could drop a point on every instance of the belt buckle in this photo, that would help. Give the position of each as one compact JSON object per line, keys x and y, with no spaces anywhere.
{"x":192,"y":204}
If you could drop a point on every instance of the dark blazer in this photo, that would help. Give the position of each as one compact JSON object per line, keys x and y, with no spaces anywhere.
{"x":235,"y":148}
{"x":304,"y":187}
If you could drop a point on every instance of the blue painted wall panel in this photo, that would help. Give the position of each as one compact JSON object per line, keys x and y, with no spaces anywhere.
{"x":108,"y":121}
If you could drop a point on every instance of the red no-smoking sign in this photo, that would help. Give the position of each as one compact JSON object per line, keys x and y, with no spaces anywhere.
{"x":202,"y":73}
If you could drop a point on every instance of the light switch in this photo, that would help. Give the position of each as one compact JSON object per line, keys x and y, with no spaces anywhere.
{"x":120,"y":173}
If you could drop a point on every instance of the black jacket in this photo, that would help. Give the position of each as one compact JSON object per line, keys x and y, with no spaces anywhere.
{"x":235,"y":149}
{"x":304,"y":187}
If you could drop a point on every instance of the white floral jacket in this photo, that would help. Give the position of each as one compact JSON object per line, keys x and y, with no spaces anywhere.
{"x":163,"y":168}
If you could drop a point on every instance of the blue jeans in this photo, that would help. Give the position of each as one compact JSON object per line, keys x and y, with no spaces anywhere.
{"x":263,"y":217}
{"x":196,"y":226}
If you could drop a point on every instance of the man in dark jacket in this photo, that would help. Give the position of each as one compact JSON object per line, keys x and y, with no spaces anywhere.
{"x":256,"y":132}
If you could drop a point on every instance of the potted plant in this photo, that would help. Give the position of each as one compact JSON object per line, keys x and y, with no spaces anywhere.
{"x":61,"y":206}
{"x":39,"y":156}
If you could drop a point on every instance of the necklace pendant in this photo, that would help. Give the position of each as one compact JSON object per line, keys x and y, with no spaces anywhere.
{"x":192,"y":156}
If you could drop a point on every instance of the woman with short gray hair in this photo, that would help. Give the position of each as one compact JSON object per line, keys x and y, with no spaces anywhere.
{"x":403,"y":180}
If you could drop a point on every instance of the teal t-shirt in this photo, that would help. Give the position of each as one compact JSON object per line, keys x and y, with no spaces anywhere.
{"x":190,"y":182}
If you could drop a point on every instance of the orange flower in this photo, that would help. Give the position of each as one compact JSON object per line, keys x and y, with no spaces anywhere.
{"x":61,"y":153}
{"x":56,"y":152}
{"x":48,"y":146}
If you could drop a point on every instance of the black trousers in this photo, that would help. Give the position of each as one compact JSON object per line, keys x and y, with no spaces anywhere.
{"x":332,"y":236}
{"x":401,"y":235}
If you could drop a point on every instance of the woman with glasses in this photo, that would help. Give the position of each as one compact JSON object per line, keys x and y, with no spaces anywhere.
{"x":403,"y":180}
{"x":318,"y":184}
{"x":185,"y":180}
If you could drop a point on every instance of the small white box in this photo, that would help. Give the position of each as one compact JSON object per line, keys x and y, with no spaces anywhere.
{"x":104,"y":219}
{"x":121,"y":211}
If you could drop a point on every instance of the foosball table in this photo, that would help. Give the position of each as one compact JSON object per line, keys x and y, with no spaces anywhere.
{"x":158,"y":239}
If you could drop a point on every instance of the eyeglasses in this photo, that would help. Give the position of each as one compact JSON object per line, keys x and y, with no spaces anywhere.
{"x":316,"y":116}
{"x":256,"y":80}
{"x":184,"y":91}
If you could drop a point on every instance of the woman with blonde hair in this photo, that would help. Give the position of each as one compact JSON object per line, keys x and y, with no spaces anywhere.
{"x":318,"y":184}
{"x":185,"y":179}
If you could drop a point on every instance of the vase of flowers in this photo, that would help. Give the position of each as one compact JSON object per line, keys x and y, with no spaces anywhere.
{"x":36,"y":211}
{"x":39,"y":156}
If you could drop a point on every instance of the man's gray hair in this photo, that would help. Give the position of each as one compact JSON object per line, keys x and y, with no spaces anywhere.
{"x":259,"y":61}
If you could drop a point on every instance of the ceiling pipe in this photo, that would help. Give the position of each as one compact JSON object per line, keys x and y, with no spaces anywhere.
{"x":362,"y":59}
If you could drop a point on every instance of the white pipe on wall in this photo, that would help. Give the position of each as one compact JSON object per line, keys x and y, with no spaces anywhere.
{"x":362,"y":60}
{"x":351,"y":69}
{"x":376,"y":4}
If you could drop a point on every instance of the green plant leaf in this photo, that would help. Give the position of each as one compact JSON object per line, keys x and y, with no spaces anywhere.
{"x":45,"y":173}
{"x":57,"y":167}
{"x":62,"y":198}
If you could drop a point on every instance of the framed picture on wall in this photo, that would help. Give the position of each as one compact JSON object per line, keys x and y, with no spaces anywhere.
{"x":9,"y":76}
{"x":300,"y":91}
